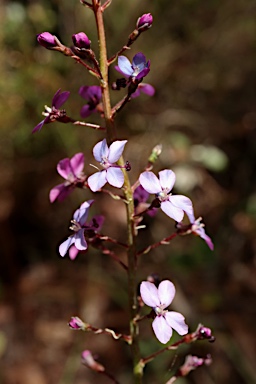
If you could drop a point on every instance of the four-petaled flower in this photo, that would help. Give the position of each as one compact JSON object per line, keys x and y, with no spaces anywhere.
{"x":159,"y":299}
{"x":54,"y":113}
{"x":136,"y":70}
{"x":72,"y":171}
{"x":78,"y":227}
{"x":93,"y":95}
{"x":107,"y":157}
{"x":173,"y":206}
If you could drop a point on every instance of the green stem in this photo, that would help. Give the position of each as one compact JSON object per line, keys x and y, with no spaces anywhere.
{"x":131,"y":253}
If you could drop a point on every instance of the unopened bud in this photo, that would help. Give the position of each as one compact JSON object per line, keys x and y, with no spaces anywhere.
{"x":128,"y":166}
{"x":81,"y":41}
{"x":144,"y":22}
{"x":156,"y":152}
{"x":88,"y":360}
{"x":76,"y":323}
{"x":47,"y":40}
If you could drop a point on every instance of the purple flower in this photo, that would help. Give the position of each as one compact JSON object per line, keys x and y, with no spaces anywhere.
{"x":93,"y":95}
{"x":193,"y":362}
{"x":78,"y":227}
{"x":173,"y":206}
{"x":90,"y":231}
{"x":139,"y":68}
{"x":144,"y":22}
{"x":159,"y":299}
{"x":140,"y":197}
{"x":72,"y":171}
{"x":144,"y":88}
{"x":54,"y":113}
{"x":47,"y":40}
{"x":198,"y":229}
{"x":81,"y":40}
{"x":76,"y":323}
{"x":107,"y":157}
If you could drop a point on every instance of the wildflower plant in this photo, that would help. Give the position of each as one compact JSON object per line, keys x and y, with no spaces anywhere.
{"x":114,"y":170}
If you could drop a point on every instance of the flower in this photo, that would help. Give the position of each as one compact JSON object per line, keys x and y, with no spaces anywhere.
{"x":197,"y":228}
{"x":148,"y":89}
{"x":47,"y":40}
{"x":172,"y":206}
{"x":78,"y":227}
{"x":54,"y":113}
{"x":76,"y":323}
{"x":89,"y":361}
{"x":144,"y":22}
{"x":159,"y":299}
{"x":139,"y":68}
{"x":72,"y":171}
{"x":107,"y":157}
{"x":93,"y":95}
{"x":81,"y":40}
{"x":90,"y":231}
{"x":140,"y":197}
{"x":193,"y":362}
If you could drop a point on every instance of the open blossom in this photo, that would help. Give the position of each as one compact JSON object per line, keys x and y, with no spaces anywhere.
{"x":159,"y":299}
{"x":54,"y":113}
{"x":111,"y":172}
{"x":93,"y":95}
{"x":72,"y":171}
{"x":136,"y":70}
{"x":78,"y":227}
{"x":173,"y":206}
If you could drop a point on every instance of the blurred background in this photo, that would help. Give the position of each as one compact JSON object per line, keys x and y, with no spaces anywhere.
{"x":203,"y":66}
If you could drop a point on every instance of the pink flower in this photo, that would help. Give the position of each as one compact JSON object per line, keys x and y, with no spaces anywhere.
{"x":107,"y":157}
{"x":78,"y":227}
{"x":173,"y":206}
{"x":159,"y":299}
{"x":72,"y":171}
{"x":197,"y":228}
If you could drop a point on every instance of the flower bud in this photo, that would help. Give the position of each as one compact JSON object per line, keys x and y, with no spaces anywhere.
{"x":144,"y":22}
{"x":47,"y":40}
{"x":88,"y":360}
{"x":76,"y":323}
{"x":81,"y":41}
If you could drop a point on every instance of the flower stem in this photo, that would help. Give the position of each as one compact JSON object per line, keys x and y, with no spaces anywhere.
{"x":131,"y":252}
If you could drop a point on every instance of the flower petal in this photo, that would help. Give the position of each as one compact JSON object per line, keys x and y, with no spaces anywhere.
{"x":167,"y":179}
{"x":124,"y":66}
{"x":184,"y":203}
{"x":63,"y":248}
{"x":60,"y":98}
{"x":166,"y":292}
{"x":97,"y":151}
{"x":38,"y":127}
{"x":150,"y":182}
{"x":97,"y":180}
{"x":148,"y":89}
{"x":170,"y":210}
{"x":86,"y":110}
{"x":177,"y":321}
{"x":60,"y":192}
{"x":115,"y":177}
{"x":81,"y":214}
{"x":162,"y":330}
{"x":149,"y":294}
{"x":77,"y":163}
{"x":73,"y":252}
{"x":116,"y":150}
{"x":64,"y":168}
{"x":80,"y":242}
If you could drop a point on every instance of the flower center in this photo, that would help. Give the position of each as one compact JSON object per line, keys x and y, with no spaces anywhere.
{"x":159,"y":310}
{"x":75,"y":226}
{"x":164,"y":194}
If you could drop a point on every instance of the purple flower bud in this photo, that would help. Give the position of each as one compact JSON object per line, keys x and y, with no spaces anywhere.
{"x":47,"y":40}
{"x":76,"y":323}
{"x":81,"y":41}
{"x":144,"y":22}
